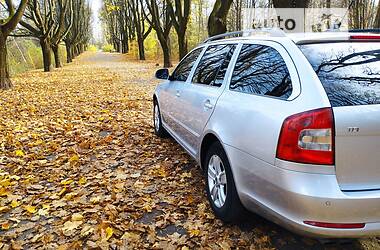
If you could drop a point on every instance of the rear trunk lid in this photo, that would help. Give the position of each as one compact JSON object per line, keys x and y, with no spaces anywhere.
{"x":350,"y":73}
{"x":357,"y":147}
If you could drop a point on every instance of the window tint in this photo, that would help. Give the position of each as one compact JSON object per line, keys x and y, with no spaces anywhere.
{"x":223,"y":68}
{"x":213,"y":65}
{"x":182,"y":71}
{"x":261,"y":70}
{"x":349,"y":72}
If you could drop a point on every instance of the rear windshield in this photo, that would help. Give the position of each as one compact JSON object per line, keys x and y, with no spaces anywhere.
{"x":349,"y":72}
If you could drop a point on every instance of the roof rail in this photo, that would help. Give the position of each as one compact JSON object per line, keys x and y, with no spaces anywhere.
{"x":274,"y":32}
{"x":375,"y":30}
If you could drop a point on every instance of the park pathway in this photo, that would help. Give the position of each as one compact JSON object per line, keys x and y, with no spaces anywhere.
{"x":81,"y":168}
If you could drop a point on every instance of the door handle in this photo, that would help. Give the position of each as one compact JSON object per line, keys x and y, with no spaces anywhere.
{"x":178,"y":94}
{"x":208,"y":105}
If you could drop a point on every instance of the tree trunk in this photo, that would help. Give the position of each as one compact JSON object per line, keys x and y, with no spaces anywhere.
{"x":140,"y":41}
{"x":5,"y":81}
{"x":125,"y":46}
{"x":217,"y":22}
{"x":377,"y":20}
{"x":57,"y":59}
{"x":68,"y":52}
{"x":114,"y":46}
{"x":291,"y":3}
{"x":167,"y":59}
{"x":73,"y":52}
{"x":182,"y":44}
{"x":239,"y":17}
{"x":119,"y":47}
{"x":46,"y":54}
{"x":165,"y":45}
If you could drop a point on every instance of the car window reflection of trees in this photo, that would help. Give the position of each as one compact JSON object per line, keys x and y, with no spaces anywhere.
{"x":211,"y":63}
{"x":261,"y":70}
{"x":349,"y":77}
{"x":182,"y":72}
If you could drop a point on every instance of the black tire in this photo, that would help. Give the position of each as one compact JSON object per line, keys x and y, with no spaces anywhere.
{"x":159,"y":130}
{"x":232,"y":211}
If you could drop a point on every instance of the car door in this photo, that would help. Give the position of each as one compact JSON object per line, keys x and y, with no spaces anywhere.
{"x":198,"y":99}
{"x":170,"y":94}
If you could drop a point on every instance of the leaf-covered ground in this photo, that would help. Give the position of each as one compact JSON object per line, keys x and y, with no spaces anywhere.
{"x":81,"y":168}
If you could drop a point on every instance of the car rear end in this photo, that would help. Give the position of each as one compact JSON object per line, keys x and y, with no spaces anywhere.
{"x":343,"y":139}
{"x":350,"y":74}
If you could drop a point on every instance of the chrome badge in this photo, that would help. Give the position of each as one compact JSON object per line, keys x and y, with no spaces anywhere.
{"x":353,"y":129}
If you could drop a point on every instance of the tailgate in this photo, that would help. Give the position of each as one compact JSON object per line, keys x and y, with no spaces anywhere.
{"x":350,"y":74}
{"x":357,"y":147}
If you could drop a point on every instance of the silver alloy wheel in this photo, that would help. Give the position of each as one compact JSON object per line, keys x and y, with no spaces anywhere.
{"x":156,"y":118}
{"x":217,"y":181}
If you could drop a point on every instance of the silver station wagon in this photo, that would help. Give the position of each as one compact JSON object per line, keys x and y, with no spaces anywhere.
{"x":286,"y":126}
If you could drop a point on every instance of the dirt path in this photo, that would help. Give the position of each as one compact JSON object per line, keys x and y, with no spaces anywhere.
{"x":81,"y":168}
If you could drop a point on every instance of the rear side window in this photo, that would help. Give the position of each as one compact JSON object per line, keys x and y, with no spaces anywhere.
{"x":349,"y":72}
{"x":213,"y":65}
{"x":261,"y":70}
{"x":182,"y":71}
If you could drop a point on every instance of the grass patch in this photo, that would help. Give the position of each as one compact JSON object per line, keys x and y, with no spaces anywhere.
{"x":26,"y":54}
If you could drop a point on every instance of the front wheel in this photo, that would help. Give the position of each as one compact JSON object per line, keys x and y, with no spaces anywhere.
{"x":220,"y":186}
{"x":159,"y":130}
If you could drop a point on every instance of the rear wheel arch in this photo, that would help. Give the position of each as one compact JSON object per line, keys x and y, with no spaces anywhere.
{"x":207,"y":141}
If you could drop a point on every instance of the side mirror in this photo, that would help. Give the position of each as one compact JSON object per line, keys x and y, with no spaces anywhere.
{"x":162,"y":74}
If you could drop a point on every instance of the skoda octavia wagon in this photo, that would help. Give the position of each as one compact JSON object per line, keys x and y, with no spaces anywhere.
{"x":287,"y":126}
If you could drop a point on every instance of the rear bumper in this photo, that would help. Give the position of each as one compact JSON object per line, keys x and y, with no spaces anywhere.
{"x":296,"y":224}
{"x":289,"y":198}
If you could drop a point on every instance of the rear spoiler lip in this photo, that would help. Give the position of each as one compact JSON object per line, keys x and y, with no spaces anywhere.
{"x":306,"y":42}
{"x":343,"y":37}
{"x":374,"y":30}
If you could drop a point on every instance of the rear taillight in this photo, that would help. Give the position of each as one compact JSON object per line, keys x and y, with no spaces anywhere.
{"x":308,"y":138}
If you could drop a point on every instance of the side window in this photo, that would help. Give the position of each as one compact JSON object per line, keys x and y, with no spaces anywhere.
{"x":261,"y":70}
{"x":182,"y":71}
{"x":213,"y":65}
{"x":223,"y":68}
